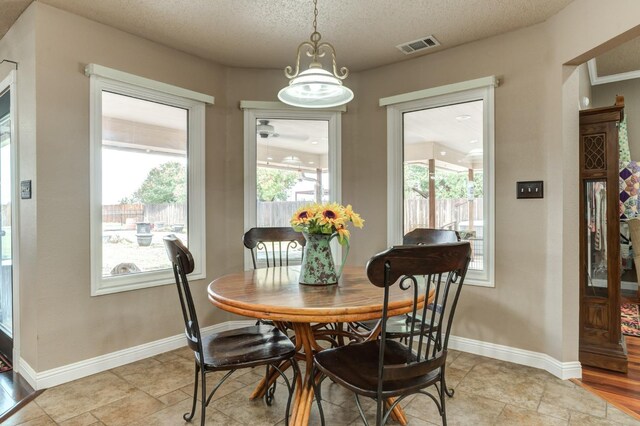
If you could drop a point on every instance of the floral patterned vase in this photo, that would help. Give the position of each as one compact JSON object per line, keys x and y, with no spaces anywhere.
{"x":317,"y":262}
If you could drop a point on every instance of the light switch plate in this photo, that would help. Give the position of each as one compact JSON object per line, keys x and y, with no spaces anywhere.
{"x":25,"y":189}
{"x":530,"y":189}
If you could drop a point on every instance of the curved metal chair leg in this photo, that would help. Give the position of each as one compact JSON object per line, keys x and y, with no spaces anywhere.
{"x":269,"y":395}
{"x":188,"y":416}
{"x":292,"y":388}
{"x":317,"y":392}
{"x":203,"y":396}
{"x":443,"y":410}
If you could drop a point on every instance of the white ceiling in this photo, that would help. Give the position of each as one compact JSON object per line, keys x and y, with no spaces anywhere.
{"x":266,"y":33}
{"x":622,"y":59}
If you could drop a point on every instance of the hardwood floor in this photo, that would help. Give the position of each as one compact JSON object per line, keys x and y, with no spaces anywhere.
{"x":621,"y":390}
{"x":15,"y":392}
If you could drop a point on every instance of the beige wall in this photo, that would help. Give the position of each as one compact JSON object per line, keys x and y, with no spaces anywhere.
{"x":605,"y":95}
{"x":534,"y":303}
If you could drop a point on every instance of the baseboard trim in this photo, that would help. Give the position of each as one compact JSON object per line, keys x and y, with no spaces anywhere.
{"x":562,"y":370}
{"x":77,"y":370}
{"x":57,"y":376}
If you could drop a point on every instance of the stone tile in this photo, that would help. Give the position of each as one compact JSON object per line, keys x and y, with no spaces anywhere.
{"x":454,"y":376}
{"x":505,"y":382}
{"x":172,"y":416}
{"x":582,"y":419}
{"x":553,"y":411}
{"x":171,"y":356}
{"x":227,"y":387}
{"x":569,"y":396}
{"x":250,"y":377}
{"x":517,"y":416}
{"x":72,"y":399}
{"x":39,"y":421}
{"x":620,"y":416}
{"x":162,"y":378}
{"x":135,"y":367}
{"x":466,"y":361}
{"x":126,"y":410}
{"x":174,"y":397}
{"x":85,"y":419}
{"x":462,"y":409}
{"x":333,"y":414}
{"x":256,"y":413}
{"x":184,"y":352}
{"x":29,"y":412}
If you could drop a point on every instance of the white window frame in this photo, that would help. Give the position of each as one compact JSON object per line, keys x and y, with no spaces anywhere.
{"x":105,"y":79}
{"x":481,"y":89}
{"x":255,"y":110}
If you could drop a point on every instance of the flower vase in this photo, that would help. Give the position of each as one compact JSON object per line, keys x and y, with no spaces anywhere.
{"x":318,"y":267}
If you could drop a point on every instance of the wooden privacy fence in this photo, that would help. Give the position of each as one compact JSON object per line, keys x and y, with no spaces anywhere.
{"x":277,"y":213}
{"x":449,"y":213}
{"x":170,"y":213}
{"x":416,"y":212}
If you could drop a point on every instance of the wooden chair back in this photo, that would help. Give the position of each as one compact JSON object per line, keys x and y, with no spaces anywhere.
{"x":420,"y":269}
{"x":275,"y":243}
{"x":183,"y":264}
{"x":430,"y":236}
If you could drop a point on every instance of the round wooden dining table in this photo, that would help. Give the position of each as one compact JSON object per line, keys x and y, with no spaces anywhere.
{"x":275,"y":294}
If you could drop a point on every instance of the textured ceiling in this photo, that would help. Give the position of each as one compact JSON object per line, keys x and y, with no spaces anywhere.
{"x":624,"y":58}
{"x":10,"y":10}
{"x":265,"y":33}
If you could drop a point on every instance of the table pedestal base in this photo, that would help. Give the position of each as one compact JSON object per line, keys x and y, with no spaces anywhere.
{"x":306,"y":338}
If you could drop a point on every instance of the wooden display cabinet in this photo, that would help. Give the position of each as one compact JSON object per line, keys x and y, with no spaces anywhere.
{"x":601,"y":340}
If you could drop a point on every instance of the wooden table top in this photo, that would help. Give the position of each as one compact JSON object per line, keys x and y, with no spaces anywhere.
{"x":274,"y":293}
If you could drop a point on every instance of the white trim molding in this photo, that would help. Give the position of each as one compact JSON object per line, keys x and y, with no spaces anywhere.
{"x":596,"y":79}
{"x":441,"y":90}
{"x":113,"y":74}
{"x":80,"y":369}
{"x":562,"y":370}
{"x":282,"y":106}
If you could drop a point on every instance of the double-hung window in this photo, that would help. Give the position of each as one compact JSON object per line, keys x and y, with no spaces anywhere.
{"x":441,"y":167}
{"x":147,"y":179}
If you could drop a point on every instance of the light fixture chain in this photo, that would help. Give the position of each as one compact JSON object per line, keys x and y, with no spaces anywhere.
{"x":315,"y":15}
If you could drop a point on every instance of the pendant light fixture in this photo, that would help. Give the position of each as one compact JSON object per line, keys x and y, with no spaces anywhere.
{"x":315,"y":87}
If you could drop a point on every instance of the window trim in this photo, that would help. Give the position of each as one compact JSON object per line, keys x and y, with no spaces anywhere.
{"x":395,"y":156}
{"x":196,"y":183}
{"x":254,"y":111}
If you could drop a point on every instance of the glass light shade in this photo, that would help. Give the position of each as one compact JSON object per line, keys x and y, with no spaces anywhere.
{"x":315,"y":88}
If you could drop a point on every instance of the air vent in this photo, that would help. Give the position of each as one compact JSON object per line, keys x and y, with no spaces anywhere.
{"x":418,"y":45}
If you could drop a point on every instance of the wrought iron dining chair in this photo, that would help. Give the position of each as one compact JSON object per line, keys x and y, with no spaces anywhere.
{"x":399,"y":327}
{"x":276,"y":244}
{"x":386,"y":368}
{"x":228,"y":351}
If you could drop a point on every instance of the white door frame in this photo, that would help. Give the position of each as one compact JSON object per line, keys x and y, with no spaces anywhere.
{"x":9,"y":82}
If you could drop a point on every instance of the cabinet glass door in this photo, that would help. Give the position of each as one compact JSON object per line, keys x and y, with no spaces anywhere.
{"x":596,"y":241}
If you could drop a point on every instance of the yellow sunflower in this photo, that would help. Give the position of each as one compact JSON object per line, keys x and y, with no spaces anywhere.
{"x":354,"y":217}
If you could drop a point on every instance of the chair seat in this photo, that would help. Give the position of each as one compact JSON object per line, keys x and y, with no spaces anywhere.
{"x":246,"y":347}
{"x":356,"y":367}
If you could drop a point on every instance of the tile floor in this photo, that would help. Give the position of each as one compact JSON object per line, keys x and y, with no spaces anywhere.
{"x":156,"y":391}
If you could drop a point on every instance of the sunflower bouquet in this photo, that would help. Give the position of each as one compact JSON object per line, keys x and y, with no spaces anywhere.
{"x":327,"y":219}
